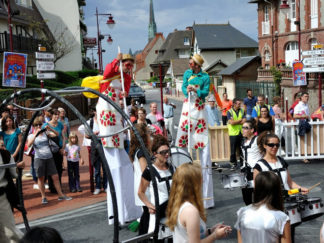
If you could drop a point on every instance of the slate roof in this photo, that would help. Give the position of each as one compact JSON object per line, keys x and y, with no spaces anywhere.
{"x":221,"y":36}
{"x":236,"y":66}
{"x":172,"y":44}
{"x":179,"y":66}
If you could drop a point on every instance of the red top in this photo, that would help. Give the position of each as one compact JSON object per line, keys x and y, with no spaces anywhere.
{"x":111,"y":70}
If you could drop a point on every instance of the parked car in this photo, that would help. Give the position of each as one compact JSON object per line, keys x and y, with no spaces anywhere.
{"x":136,"y":93}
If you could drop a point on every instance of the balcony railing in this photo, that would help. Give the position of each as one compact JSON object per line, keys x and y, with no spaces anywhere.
{"x":265,"y":74}
{"x":20,"y":43}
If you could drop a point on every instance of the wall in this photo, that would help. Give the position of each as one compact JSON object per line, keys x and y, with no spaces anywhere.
{"x":228,"y":82}
{"x":63,"y":16}
{"x":144,"y":73}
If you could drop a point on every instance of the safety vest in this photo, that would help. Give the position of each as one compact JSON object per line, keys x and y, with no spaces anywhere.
{"x":234,"y":130}
{"x":258,"y":110}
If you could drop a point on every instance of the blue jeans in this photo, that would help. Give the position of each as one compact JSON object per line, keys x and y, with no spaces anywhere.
{"x":97,"y":169}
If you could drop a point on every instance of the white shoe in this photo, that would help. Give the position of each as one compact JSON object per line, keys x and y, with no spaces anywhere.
{"x":35,"y":186}
{"x":28,"y":174}
{"x":46,"y":186}
{"x":96,"y":192}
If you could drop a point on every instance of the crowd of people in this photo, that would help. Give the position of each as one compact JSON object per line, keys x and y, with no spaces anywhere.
{"x":183,"y":192}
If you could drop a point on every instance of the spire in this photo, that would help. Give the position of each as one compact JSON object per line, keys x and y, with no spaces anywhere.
{"x":152,"y":24}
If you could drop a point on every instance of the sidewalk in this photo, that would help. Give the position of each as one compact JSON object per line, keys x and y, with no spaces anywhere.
{"x":32,"y":197}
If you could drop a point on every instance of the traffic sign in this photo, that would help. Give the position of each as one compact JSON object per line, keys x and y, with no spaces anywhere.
{"x":318,"y":46}
{"x":313,"y":52}
{"x":44,"y":55}
{"x":44,"y":65}
{"x":313,"y":69}
{"x":46,"y":75}
{"x":314,"y":61}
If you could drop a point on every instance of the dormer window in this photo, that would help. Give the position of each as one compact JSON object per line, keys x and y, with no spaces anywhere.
{"x":186,"y":41}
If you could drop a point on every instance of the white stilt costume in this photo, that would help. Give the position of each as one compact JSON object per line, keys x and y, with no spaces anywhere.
{"x":198,"y":132}
{"x":121,"y":168}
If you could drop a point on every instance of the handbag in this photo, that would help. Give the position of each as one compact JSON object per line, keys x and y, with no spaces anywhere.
{"x":11,"y":189}
{"x":28,"y":150}
{"x":53,"y":143}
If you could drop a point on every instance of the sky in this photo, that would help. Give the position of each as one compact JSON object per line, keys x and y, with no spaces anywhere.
{"x":132,"y":19}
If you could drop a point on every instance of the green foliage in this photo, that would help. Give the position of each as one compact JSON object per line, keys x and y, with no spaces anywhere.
{"x":153,"y":79}
{"x":277,"y":77}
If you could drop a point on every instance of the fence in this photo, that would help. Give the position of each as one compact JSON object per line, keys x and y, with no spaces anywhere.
{"x":310,"y":146}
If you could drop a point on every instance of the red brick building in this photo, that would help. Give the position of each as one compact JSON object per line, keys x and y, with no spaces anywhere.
{"x":282,"y":26}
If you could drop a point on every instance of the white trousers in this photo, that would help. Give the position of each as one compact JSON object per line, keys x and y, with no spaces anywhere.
{"x":208,"y":190}
{"x":8,"y":231}
{"x":123,"y":177}
{"x":169,"y":126}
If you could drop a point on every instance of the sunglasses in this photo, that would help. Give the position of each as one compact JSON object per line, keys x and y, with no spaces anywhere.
{"x":246,"y":128}
{"x":38,"y":125}
{"x":164,"y":152}
{"x":271,"y":145}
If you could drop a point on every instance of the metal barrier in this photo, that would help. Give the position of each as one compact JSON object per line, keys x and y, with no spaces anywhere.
{"x":309,"y":146}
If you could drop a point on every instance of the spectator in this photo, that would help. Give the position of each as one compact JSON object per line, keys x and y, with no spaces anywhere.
{"x":185,"y":213}
{"x":168,"y":109}
{"x":264,"y":221}
{"x":5,"y":112}
{"x":133,"y":114}
{"x":301,"y":110}
{"x":249,"y":102}
{"x":42,"y":235}
{"x":11,"y":109}
{"x":44,"y":163}
{"x":163,"y":170}
{"x":137,"y":156}
{"x":73,"y":156}
{"x":265,"y":121}
{"x":11,"y":136}
{"x":256,"y":109}
{"x":142,"y":117}
{"x":8,"y":230}
{"x":236,"y":118}
{"x":132,"y":105}
{"x":56,"y":125}
{"x":155,"y":116}
{"x":227,"y":104}
{"x":297,"y":97}
{"x":48,"y":114}
{"x":279,"y":117}
{"x":213,"y":114}
{"x":277,"y":108}
{"x":65,"y":121}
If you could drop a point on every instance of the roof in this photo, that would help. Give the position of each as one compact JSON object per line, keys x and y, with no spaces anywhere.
{"x":221,"y":36}
{"x":140,"y":57}
{"x":173,"y":43}
{"x":179,"y":66}
{"x":215,"y":63}
{"x":239,"y":64}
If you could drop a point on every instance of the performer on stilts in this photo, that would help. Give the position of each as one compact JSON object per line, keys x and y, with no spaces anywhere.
{"x":110,"y":121}
{"x":195,"y":87}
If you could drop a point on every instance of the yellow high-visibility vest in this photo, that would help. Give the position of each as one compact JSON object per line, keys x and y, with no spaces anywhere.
{"x":234,"y":130}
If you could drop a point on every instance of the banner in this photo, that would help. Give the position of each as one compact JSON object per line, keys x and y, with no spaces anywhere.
{"x":299,"y":76}
{"x":14,"y":69}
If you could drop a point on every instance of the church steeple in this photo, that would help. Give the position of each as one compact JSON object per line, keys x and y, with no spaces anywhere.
{"x":152,"y":24}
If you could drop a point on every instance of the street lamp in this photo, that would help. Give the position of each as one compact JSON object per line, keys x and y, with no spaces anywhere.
{"x":111,"y":23}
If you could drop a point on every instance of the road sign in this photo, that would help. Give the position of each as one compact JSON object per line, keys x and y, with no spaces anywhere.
{"x":44,"y":65}
{"x":313,"y":52}
{"x":46,"y":75}
{"x":313,"y":69}
{"x":44,"y":55}
{"x":313,"y":61}
{"x":89,"y":42}
{"x":318,"y":46}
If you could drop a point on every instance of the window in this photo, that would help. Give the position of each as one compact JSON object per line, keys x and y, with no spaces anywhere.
{"x":183,"y":53}
{"x":186,"y":41}
{"x":293,"y":26}
{"x":24,"y":3}
{"x":238,"y":53}
{"x":267,"y":56}
{"x":313,"y":42}
{"x":266,"y":22}
{"x":314,"y":14}
{"x":266,"y":13}
{"x":291,"y":53}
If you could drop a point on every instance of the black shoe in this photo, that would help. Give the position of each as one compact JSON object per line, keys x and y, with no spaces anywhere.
{"x":233,"y":166}
{"x":79,"y":190}
{"x":73,"y":190}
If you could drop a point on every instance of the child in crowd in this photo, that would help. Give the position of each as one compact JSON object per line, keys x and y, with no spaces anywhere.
{"x":72,"y":151}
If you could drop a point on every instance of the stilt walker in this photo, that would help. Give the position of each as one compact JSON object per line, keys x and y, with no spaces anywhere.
{"x":193,"y":130}
{"x":110,"y":121}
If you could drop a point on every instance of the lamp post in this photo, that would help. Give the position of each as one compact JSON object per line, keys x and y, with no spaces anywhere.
{"x":111,"y":23}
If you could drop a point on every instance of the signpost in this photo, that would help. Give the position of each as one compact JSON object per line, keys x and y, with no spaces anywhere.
{"x":315,"y":64}
{"x":44,"y":62}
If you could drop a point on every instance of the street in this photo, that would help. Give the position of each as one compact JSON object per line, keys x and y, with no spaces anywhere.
{"x":89,"y":224}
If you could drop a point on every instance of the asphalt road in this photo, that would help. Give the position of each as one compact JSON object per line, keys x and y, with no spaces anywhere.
{"x":89,"y":224}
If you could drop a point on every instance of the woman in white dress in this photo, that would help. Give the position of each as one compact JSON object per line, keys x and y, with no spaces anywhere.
{"x":185,"y":213}
{"x":264,"y":221}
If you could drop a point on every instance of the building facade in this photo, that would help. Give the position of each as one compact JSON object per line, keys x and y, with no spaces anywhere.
{"x":283,"y":31}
